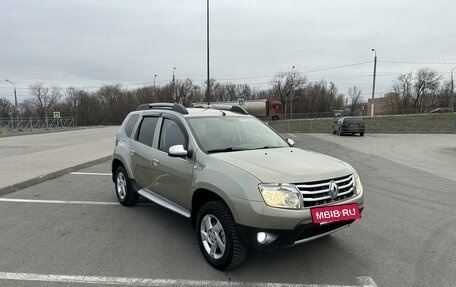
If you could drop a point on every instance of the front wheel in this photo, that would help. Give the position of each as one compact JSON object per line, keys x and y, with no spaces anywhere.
{"x":218,"y":237}
{"x":361,"y":134}
{"x":125,"y":193}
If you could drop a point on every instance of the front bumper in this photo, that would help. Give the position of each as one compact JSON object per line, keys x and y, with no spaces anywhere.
{"x":303,"y":232}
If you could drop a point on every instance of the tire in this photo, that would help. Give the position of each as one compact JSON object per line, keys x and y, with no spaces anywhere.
{"x":275,"y":118}
{"x":125,"y":193}
{"x":215,"y":226}
{"x":361,"y":134}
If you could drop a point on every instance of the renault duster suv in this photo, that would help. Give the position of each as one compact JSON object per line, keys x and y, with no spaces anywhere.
{"x":238,"y":181}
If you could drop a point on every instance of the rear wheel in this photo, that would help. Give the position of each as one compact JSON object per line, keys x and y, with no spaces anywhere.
{"x":361,"y":134}
{"x":218,"y":237}
{"x":125,"y":193}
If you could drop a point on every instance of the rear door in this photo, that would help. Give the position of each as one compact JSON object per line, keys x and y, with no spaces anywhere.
{"x":142,"y":150}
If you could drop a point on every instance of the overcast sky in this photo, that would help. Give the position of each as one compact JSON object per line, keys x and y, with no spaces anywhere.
{"x":88,"y":43}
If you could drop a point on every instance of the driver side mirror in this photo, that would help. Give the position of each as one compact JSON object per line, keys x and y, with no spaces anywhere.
{"x":177,"y":151}
{"x":290,"y":142}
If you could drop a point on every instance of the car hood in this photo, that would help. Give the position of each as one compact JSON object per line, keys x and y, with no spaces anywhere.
{"x":286,"y":165}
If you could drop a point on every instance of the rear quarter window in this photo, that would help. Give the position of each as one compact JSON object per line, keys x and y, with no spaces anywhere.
{"x":130,"y":124}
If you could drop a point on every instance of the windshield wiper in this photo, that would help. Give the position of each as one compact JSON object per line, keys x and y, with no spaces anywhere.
{"x":228,"y":149}
{"x":267,"y":147}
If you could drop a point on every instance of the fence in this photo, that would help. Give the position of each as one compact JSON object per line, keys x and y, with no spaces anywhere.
{"x":438,"y":123}
{"x":10,"y":125}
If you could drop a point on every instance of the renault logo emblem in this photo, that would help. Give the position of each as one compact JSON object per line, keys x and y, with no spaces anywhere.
{"x":333,"y":189}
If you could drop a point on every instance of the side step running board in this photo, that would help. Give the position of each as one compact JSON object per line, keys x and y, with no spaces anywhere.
{"x":163,"y":202}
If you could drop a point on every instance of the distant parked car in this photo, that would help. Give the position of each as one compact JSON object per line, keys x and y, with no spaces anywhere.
{"x":440,"y":110}
{"x":349,"y":125}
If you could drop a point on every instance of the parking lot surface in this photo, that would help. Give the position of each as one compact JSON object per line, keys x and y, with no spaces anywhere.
{"x":30,"y":159}
{"x":70,"y":231}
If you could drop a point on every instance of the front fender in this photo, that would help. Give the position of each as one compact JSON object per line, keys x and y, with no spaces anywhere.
{"x":225,"y":180}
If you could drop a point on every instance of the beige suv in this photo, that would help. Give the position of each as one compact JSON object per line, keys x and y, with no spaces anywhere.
{"x":239,"y":182}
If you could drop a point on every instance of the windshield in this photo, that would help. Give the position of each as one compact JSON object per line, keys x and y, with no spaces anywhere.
{"x":223,"y":134}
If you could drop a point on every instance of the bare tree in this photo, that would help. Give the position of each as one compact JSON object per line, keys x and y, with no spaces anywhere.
{"x":427,"y":82}
{"x":444,"y":95}
{"x":39,"y":92}
{"x":187,"y":92}
{"x":45,"y":98}
{"x":285,"y":84}
{"x":402,"y":89}
{"x":318,"y":99}
{"x":355,"y":100}
{"x":6,"y":107}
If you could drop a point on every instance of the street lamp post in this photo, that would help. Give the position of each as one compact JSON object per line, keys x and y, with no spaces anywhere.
{"x":15,"y":96}
{"x":452,"y":91}
{"x":208,"y":90}
{"x":153,"y":92}
{"x":292,"y":92}
{"x":373,"y":84}
{"x":174,"y":85}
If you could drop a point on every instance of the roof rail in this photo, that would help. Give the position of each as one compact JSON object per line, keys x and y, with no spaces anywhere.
{"x":223,"y":107}
{"x":164,"y":106}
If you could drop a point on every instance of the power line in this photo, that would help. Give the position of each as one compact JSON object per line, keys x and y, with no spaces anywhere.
{"x":419,"y":63}
{"x":337,"y":67}
{"x":302,"y":72}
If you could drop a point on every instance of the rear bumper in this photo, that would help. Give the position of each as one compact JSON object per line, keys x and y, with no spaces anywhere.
{"x":278,"y":238}
{"x":352,"y":130}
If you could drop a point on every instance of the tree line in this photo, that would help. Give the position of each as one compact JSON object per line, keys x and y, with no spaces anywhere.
{"x":111,"y":103}
{"x":419,"y":92}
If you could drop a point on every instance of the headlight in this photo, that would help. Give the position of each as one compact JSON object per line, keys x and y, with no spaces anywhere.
{"x":358,"y":184}
{"x":281,"y":195}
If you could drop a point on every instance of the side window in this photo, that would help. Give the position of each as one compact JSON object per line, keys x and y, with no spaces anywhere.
{"x":147,"y":130}
{"x":171,"y":134}
{"x":131,"y":124}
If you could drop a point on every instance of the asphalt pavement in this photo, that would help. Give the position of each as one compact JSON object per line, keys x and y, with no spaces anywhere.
{"x":72,"y":227}
{"x":29,"y":159}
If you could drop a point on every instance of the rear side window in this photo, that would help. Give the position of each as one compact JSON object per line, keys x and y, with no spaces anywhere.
{"x":171,"y":134}
{"x":147,"y":130}
{"x":131,"y":124}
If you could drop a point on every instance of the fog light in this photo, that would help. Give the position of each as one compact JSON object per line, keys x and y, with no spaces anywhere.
{"x":261,"y":237}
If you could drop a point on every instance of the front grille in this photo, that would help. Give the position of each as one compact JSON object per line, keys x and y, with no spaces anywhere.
{"x":317,"y":192}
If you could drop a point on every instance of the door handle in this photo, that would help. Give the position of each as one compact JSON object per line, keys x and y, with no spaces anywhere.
{"x":132,"y":152}
{"x":155,"y":162}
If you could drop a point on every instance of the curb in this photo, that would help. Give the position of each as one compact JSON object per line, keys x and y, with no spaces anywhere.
{"x":30,"y":182}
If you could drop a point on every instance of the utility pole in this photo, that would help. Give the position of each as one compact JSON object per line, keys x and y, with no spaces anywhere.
{"x":452,"y":91}
{"x":154,"y":81}
{"x":15,"y":103}
{"x":208,"y":90}
{"x":373,"y":84}
{"x":174,"y":86}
